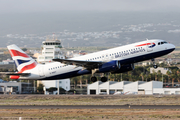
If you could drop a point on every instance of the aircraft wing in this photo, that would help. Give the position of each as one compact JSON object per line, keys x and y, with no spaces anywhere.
{"x":86,"y":64}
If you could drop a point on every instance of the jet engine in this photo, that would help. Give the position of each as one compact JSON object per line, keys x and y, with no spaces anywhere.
{"x":124,"y":68}
{"x":109,"y":66}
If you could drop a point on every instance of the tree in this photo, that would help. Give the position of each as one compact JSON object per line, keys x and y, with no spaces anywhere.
{"x":51,"y":89}
{"x":40,"y":88}
{"x":142,"y":76}
{"x":178,"y":76}
{"x":24,"y":49}
{"x":168,"y":74}
{"x":159,"y":75}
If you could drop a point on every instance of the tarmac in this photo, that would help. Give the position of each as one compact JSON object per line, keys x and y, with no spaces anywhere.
{"x":89,"y":106}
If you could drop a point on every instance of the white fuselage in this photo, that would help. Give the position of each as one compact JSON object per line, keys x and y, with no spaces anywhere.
{"x":128,"y":54}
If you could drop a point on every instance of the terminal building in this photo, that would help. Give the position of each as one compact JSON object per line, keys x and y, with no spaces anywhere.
{"x":14,"y":87}
{"x":127,"y":87}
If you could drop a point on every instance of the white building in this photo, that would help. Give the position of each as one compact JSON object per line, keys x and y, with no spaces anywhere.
{"x":51,"y":50}
{"x":163,"y":70}
{"x":126,"y":87}
{"x":65,"y":84}
{"x":15,"y":87}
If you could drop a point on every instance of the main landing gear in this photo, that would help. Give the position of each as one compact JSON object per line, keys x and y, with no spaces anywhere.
{"x":94,"y":79}
{"x":104,"y":79}
{"x":154,"y":64}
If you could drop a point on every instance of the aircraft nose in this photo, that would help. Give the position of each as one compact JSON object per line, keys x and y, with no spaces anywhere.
{"x":173,"y":46}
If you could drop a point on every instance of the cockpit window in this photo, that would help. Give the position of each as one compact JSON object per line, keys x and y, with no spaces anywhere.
{"x":160,"y":43}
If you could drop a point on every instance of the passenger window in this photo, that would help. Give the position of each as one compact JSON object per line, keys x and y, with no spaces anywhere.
{"x":158,"y":43}
{"x":162,"y":43}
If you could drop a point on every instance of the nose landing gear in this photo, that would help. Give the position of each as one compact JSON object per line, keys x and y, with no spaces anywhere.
{"x":154,"y":64}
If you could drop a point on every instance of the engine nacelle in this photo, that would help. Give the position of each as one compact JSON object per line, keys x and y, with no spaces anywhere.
{"x":124,"y":68}
{"x":109,"y":66}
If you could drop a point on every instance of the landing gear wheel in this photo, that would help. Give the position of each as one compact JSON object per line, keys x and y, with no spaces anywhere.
{"x":93,"y":79}
{"x":104,"y":79}
{"x":155,"y":66}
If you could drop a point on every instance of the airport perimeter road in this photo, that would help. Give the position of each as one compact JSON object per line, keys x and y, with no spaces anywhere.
{"x":89,"y":106}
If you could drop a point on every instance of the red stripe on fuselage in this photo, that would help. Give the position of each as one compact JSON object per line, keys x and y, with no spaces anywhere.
{"x":17,"y":53}
{"x":144,"y":44}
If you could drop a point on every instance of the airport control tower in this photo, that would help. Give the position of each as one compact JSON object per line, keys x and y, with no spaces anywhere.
{"x":51,"y":49}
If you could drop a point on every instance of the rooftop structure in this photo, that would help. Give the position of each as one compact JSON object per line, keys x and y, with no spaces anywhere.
{"x":127,"y":87}
{"x":50,"y":50}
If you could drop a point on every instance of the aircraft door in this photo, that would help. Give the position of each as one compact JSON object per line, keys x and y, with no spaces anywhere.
{"x":41,"y":71}
{"x":150,"y":46}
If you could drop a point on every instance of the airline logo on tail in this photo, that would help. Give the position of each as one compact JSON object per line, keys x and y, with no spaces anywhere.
{"x":22,"y":60}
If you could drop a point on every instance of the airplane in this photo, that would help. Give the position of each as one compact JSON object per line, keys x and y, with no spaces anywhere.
{"x":116,"y":60}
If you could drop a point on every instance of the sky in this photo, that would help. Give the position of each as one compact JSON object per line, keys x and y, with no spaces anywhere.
{"x":26,"y":6}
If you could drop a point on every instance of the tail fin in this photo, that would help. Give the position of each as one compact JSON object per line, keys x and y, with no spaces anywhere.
{"x":22,"y":60}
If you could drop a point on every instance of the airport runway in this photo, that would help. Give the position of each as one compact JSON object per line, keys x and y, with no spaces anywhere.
{"x":89,"y":106}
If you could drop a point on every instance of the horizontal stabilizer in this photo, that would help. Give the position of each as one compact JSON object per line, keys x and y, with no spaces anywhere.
{"x":19,"y":74}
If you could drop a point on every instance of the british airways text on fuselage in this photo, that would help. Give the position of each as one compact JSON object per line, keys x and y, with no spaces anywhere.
{"x":130,"y":52}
